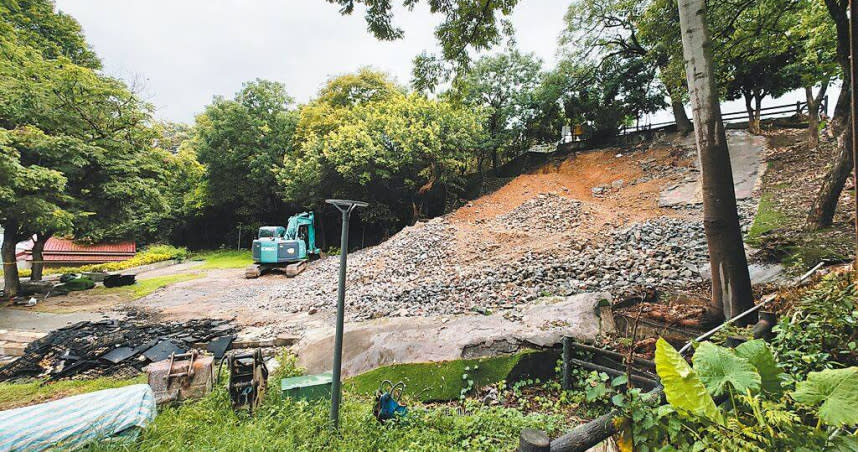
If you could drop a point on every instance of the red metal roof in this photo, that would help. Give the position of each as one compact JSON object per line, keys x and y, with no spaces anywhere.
{"x":83,"y":258}
{"x":62,"y":250}
{"x":55,"y":245}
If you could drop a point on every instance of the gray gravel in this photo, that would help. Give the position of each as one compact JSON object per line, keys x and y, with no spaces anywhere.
{"x":415,"y":273}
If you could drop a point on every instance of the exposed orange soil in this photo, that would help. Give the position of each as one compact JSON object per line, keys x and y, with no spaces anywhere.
{"x":575,"y":177}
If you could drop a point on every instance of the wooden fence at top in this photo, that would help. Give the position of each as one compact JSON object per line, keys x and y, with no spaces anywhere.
{"x":783,"y":110}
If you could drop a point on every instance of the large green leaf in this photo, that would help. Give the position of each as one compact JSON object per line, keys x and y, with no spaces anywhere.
{"x":719,"y":366}
{"x":836,"y":391}
{"x":758,"y":353}
{"x":682,"y":387}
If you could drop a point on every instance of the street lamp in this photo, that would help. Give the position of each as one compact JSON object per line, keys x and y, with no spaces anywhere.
{"x":345,"y":207}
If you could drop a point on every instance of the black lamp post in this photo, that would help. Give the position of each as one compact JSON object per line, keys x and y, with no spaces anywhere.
{"x":345,"y":207}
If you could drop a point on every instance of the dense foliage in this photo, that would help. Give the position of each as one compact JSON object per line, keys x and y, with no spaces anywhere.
{"x":796,"y":394}
{"x":79,"y":150}
{"x":403,"y":153}
{"x":505,"y":88}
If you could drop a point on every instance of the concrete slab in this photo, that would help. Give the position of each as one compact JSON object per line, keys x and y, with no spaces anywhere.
{"x":20,"y":336}
{"x":24,"y":320}
{"x":386,"y":341}
{"x":745,"y":150}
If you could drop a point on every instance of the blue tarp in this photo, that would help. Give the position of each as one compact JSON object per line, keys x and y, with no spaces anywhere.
{"x":75,"y":421}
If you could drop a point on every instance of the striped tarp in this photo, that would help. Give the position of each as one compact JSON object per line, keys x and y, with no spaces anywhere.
{"x":75,"y":421}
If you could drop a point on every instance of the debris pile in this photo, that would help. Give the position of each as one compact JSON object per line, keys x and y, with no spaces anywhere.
{"x":547,"y":212}
{"x":110,"y":347}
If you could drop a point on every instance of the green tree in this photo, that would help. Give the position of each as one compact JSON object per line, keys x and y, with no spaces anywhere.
{"x":658,"y":32}
{"x":825,"y":203}
{"x":30,"y":199}
{"x":817,"y":59}
{"x":401,"y":152}
{"x":603,"y":96}
{"x":63,"y":119}
{"x":755,"y":52}
{"x":731,"y":282}
{"x":504,"y":87}
{"x":467,"y":26}
{"x":37,"y":24}
{"x":239,"y":141}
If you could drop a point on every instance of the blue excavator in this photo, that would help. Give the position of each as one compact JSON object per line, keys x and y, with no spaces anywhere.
{"x":284,"y":249}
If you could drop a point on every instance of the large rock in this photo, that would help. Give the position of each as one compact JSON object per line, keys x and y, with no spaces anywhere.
{"x":381,"y":342}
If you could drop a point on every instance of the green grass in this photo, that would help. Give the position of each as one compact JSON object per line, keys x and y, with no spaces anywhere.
{"x":210,"y":424}
{"x":768,"y":218}
{"x":146,"y":286}
{"x":223,"y":259}
{"x":13,"y":395}
{"x":437,"y":381}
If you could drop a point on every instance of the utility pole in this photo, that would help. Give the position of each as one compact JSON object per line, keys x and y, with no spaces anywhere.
{"x":345,"y":207}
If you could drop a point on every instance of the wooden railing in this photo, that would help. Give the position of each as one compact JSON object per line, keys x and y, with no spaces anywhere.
{"x":734,"y":116}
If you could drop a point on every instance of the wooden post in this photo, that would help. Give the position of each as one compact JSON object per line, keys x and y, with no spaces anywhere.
{"x":567,"y":363}
{"x":531,"y":440}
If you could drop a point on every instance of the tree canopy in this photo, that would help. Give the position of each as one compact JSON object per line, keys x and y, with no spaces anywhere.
{"x":504,"y":88}
{"x":239,"y":141}
{"x":77,"y":145}
{"x":401,"y":152}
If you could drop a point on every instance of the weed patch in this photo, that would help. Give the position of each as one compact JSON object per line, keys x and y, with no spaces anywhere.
{"x":221,"y":259}
{"x":16,"y":395}
{"x":146,"y":286}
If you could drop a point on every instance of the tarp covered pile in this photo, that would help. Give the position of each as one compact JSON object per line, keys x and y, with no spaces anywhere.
{"x":73,"y":422}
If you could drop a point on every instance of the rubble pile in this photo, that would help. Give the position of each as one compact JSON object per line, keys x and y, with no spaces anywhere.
{"x":547,"y":212}
{"x":110,"y":347}
{"x":416,"y":273}
{"x":440,"y":268}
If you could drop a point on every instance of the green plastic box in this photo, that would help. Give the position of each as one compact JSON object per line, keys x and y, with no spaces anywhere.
{"x":307,"y":387}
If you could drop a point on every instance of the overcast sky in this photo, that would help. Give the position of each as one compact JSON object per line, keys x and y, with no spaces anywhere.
{"x":184,"y":52}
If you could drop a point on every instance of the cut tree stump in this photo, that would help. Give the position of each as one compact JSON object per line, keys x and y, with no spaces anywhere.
{"x":532,"y":440}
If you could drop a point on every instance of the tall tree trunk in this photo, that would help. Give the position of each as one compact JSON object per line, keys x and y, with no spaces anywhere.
{"x":495,"y":162}
{"x":683,"y":124}
{"x":10,"y":268}
{"x":813,"y":104}
{"x":824,"y":206}
{"x":758,"y":104}
{"x":749,"y":109}
{"x":731,"y":283}
{"x":822,"y":210}
{"x":38,"y":258}
{"x":853,"y":111}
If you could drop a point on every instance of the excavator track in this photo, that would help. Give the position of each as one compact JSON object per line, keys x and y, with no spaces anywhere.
{"x":253,"y":272}
{"x":293,"y":270}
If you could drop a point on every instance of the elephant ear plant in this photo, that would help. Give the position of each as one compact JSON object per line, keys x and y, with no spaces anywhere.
{"x":733,"y":399}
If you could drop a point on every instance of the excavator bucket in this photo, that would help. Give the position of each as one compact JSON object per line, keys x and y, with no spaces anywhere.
{"x":181,"y":377}
{"x":248,"y":379}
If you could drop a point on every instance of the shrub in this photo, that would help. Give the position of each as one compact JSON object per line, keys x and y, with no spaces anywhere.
{"x":820,"y":331}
